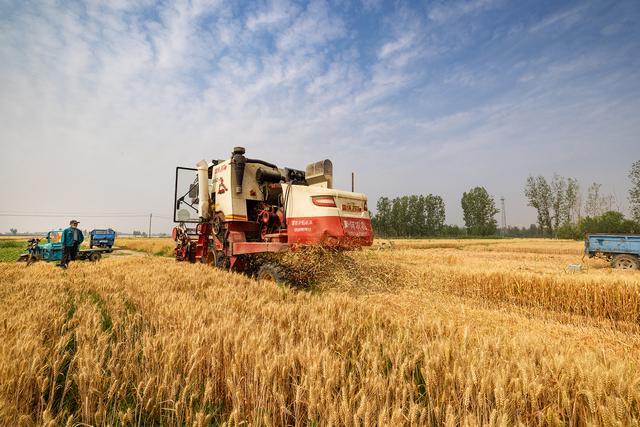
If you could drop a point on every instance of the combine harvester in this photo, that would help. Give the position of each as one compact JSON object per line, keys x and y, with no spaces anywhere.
{"x":238,"y":210}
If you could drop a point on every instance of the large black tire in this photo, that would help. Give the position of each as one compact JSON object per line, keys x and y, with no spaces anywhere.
{"x":625,"y":262}
{"x":216,"y":259}
{"x":95,"y":256}
{"x":272,"y":272}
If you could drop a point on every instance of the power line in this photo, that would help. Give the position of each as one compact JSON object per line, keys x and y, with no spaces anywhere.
{"x":65,"y":215}
{"x":43,"y":215}
{"x":76,"y":212}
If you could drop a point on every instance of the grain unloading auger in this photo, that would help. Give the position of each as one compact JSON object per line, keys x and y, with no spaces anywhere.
{"x":236,"y":211}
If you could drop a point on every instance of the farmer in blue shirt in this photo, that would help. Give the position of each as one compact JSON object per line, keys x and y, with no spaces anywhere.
{"x":71,"y":239}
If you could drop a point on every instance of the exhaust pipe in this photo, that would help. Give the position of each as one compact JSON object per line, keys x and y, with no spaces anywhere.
{"x":238,"y":160}
{"x":204,"y":204}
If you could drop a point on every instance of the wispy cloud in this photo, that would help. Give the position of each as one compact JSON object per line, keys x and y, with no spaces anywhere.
{"x":447,"y":11}
{"x":272,"y":16}
{"x":562,"y":19}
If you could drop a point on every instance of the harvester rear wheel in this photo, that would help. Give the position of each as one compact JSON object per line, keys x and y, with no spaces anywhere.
{"x":273,"y":273}
{"x":625,"y":262}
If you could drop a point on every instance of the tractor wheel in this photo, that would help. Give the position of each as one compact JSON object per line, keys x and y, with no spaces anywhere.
{"x":95,"y":257}
{"x":273,"y":273}
{"x":625,"y":262}
{"x":31,"y":259}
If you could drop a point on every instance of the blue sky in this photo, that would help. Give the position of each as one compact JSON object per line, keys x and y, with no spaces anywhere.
{"x":101,"y":100}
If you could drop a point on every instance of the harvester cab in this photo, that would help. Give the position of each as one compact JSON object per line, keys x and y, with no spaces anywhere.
{"x":230,"y":211}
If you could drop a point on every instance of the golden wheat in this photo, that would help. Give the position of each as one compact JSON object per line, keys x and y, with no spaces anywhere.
{"x":400,"y":337}
{"x":162,"y":246}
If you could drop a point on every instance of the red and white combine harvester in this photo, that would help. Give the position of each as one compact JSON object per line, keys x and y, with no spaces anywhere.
{"x":239,"y":209}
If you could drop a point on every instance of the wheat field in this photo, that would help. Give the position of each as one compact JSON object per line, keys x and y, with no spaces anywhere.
{"x":440,"y":332}
{"x":160,"y":246}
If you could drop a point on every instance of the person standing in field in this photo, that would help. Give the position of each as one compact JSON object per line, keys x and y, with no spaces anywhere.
{"x":71,"y":239}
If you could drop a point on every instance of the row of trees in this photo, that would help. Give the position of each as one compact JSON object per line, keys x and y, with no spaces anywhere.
{"x":420,"y":216}
{"x":554,"y":202}
{"x":558,"y":204}
{"x":409,"y":216}
{"x":608,"y":222}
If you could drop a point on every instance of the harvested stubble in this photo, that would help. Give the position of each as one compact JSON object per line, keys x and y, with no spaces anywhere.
{"x":151,"y":341}
{"x":161,"y":246}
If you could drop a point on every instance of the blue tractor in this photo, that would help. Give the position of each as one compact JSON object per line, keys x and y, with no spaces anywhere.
{"x":52,"y":250}
{"x":101,"y":238}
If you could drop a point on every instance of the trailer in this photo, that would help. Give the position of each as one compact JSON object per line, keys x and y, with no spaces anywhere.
{"x":621,"y":250}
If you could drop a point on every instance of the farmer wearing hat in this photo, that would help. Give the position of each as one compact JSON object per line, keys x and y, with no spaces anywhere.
{"x":71,"y":239}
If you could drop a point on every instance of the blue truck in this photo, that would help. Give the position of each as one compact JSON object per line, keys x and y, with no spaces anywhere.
{"x":102,"y":238}
{"x":621,"y":250}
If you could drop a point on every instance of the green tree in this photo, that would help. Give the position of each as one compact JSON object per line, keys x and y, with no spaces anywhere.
{"x":595,"y":203}
{"x":538,"y":193}
{"x":572,"y":201}
{"x":399,"y":216}
{"x":417,"y":217}
{"x":381,"y":220}
{"x":453,"y":231}
{"x":569,"y":230}
{"x":608,"y":222}
{"x":479,"y":210}
{"x":409,"y":216}
{"x":434,"y":215}
{"x":13,"y":231}
{"x":559,"y":206}
{"x":634,"y":191}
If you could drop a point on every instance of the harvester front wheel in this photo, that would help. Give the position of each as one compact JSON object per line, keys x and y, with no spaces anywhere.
{"x":216,"y":259}
{"x":272,"y":273}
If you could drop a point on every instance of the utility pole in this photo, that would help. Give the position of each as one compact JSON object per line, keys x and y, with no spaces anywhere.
{"x":504,"y":218}
{"x":150,"y":216}
{"x":353,"y":181}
